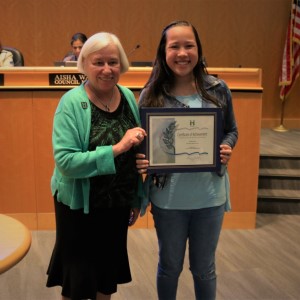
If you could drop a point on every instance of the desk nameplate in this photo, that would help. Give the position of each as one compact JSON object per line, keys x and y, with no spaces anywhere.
{"x":66,"y":79}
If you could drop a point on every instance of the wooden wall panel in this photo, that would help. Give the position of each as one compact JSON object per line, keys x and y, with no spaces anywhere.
{"x":44,"y":105}
{"x":17,"y":188}
{"x":233,"y":33}
{"x":245,"y":160}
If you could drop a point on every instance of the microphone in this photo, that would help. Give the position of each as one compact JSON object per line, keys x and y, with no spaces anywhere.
{"x":134,"y":49}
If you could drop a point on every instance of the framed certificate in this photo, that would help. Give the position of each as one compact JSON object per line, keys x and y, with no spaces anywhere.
{"x":182,"y":139}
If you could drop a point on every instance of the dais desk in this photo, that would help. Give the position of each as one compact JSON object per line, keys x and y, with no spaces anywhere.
{"x":28,"y":99}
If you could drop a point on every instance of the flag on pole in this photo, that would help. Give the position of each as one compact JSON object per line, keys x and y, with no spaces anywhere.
{"x":291,"y":55}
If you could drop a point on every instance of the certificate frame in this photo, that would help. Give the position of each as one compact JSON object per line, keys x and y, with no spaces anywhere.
{"x":182,"y":140}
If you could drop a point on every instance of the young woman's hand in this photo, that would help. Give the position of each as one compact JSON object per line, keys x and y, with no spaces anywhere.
{"x":142,"y":164}
{"x":225,"y":152}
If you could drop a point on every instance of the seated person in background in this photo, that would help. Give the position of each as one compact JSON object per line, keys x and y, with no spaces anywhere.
{"x":77,"y":41}
{"x":6,"y":58}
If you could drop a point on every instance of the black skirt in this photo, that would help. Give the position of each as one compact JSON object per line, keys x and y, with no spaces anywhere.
{"x":90,"y":252}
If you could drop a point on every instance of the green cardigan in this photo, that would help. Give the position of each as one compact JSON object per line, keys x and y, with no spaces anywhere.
{"x":74,"y":164}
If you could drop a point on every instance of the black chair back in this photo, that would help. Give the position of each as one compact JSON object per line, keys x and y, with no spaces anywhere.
{"x":17,"y":56}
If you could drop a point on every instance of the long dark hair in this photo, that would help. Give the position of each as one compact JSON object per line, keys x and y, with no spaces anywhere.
{"x":162,"y":78}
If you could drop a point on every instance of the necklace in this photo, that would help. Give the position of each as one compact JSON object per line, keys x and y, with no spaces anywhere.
{"x":106,"y":106}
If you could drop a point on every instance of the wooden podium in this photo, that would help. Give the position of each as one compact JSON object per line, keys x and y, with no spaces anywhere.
{"x":28,"y":99}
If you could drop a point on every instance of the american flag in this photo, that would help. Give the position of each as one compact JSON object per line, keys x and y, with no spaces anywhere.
{"x":291,"y":55}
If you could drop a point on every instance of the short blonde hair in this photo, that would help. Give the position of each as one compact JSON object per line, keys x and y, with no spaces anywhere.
{"x":97,"y":42}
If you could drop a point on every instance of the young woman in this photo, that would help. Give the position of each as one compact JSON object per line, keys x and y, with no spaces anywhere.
{"x":77,"y":42}
{"x":188,"y":207}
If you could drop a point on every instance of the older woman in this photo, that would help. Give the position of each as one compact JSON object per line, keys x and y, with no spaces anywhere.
{"x":95,"y":180}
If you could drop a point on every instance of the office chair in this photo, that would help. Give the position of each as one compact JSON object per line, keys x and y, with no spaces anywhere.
{"x":17,"y":56}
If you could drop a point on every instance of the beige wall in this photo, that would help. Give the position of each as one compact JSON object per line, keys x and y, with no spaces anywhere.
{"x":233,"y":33}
